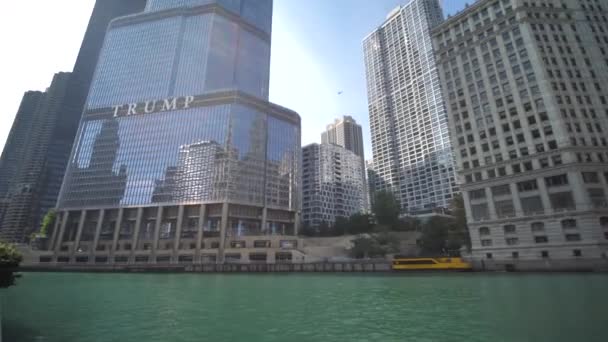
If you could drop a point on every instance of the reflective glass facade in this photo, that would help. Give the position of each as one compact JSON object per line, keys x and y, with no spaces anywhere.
{"x":179,"y":155}
{"x":227,"y":152}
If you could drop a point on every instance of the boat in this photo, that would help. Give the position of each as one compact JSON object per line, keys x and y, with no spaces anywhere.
{"x":430,"y":264}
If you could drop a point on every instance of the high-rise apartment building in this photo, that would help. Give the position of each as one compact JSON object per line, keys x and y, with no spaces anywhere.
{"x":333,"y":184}
{"x":347,"y":133}
{"x":16,"y":142}
{"x":179,"y":157}
{"x":526,"y":85}
{"x":371,"y":181}
{"x":411,"y":146}
{"x":51,"y":133}
{"x":24,"y":160}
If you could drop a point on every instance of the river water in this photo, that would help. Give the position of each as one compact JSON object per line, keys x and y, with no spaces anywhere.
{"x":67,"y":307}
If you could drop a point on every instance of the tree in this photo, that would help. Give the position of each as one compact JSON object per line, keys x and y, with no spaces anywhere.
{"x":435,"y":236}
{"x":359,"y":224}
{"x":408,"y":224}
{"x":340,"y":226}
{"x":47,"y":222}
{"x":459,"y":236}
{"x":366,"y":246}
{"x":386,"y":208}
{"x":9,"y":261}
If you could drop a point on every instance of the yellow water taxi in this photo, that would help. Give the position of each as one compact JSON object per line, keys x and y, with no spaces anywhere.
{"x":430,"y":264}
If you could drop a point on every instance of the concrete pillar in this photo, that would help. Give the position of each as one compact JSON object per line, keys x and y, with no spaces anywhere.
{"x":55,"y":231}
{"x":264,"y":218}
{"x":102,"y":214}
{"x":491,"y":208}
{"x":223,"y":229}
{"x":516,"y":200}
{"x":83,"y":216}
{"x":135,"y":240}
{"x":296,"y":225}
{"x":116,"y":233}
{"x":178,"y":233}
{"x":64,"y":222}
{"x":199,"y":237}
{"x":159,"y":217}
{"x":579,"y":191}
{"x":544,"y":196}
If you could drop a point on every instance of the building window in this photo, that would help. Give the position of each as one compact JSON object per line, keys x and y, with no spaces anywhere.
{"x":597,"y":197}
{"x":484,"y":231}
{"x":562,"y":200}
{"x":530,"y":185}
{"x":512,"y":241}
{"x":544,"y":254}
{"x":510,"y":229}
{"x":480,"y":211}
{"x":558,"y":180}
{"x":532,"y":205}
{"x":515,"y":255}
{"x":569,"y":224}
{"x":604,"y":222}
{"x":541,"y":239}
{"x":504,"y":208}
{"x":501,"y":190}
{"x":577,"y":253}
{"x":573,"y":237}
{"x":477,"y":194}
{"x":486,"y":243}
{"x":537,"y":226}
{"x":591,"y":177}
{"x":489,"y":255}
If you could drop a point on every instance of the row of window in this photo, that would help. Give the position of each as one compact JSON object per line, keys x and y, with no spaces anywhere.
{"x":543,"y":254}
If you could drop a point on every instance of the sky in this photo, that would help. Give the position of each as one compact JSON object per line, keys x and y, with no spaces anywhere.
{"x":316,"y":54}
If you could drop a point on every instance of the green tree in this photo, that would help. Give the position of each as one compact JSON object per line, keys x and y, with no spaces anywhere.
{"x":386,"y":208}
{"x":359,"y":224}
{"x":47,"y":222}
{"x":434,"y":238}
{"x":408,"y":224}
{"x":366,"y":247}
{"x":9,"y":261}
{"x":458,"y":236}
{"x":340,"y":226}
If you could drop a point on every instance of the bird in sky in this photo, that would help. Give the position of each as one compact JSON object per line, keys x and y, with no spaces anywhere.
{"x":340,"y":92}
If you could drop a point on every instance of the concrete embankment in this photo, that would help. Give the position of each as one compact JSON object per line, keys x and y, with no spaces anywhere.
{"x":337,"y":267}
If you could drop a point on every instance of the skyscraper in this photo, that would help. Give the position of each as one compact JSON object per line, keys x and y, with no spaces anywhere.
{"x":78,"y":86}
{"x":527,"y":96}
{"x":345,"y":132}
{"x":51,"y":134}
{"x":412,"y":154}
{"x":179,"y":156}
{"x":26,"y":159}
{"x":333,"y":184}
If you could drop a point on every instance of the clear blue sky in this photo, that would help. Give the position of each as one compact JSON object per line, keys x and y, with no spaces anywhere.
{"x":317,"y":52}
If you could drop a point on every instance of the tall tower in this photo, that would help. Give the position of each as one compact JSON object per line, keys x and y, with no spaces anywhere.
{"x":411,"y":148}
{"x":527,"y":97}
{"x":39,"y":145}
{"x":185,"y":87}
{"x":346,"y":133}
{"x":333,"y":184}
{"x":25,"y":189}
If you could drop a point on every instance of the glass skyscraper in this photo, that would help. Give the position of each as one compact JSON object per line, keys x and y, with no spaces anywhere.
{"x":179,"y":156}
{"x":410,"y":136}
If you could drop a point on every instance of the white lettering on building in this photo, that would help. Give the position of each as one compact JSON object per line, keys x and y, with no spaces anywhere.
{"x":148,"y":107}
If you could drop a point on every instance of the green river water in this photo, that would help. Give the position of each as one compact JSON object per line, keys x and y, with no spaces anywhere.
{"x":66,"y":307}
